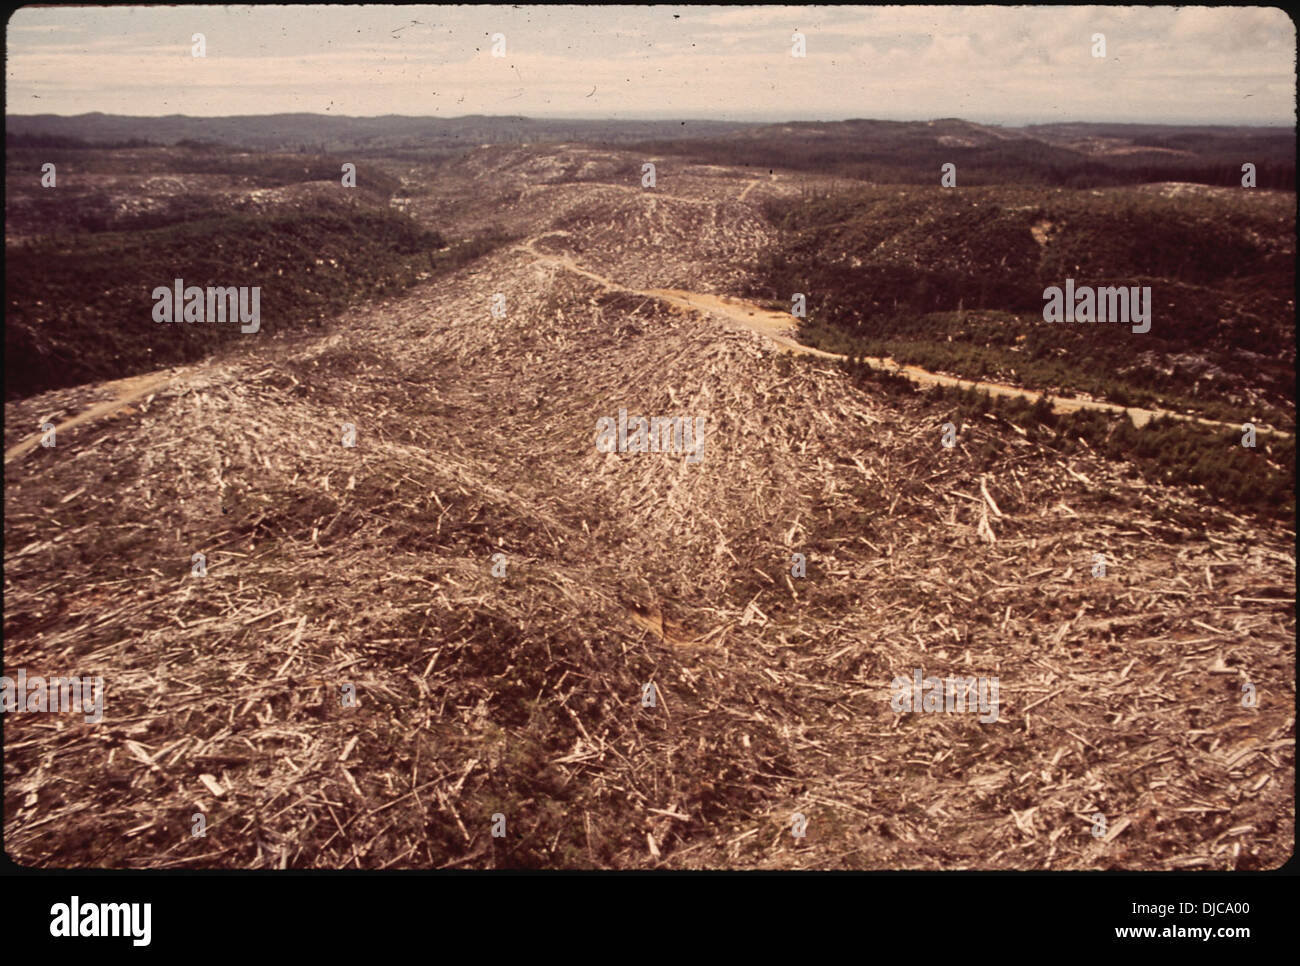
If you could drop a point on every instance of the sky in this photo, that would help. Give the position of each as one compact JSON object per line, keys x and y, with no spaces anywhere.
{"x":992,"y":65}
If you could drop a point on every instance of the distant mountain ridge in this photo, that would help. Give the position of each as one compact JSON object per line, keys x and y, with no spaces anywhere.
{"x":268,"y":131}
{"x":323,"y":131}
{"x":1067,"y":154}
{"x":1074,"y":155}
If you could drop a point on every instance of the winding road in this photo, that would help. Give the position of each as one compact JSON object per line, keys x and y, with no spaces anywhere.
{"x":779,"y":328}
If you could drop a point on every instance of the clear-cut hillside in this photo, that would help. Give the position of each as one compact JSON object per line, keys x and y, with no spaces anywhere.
{"x":522,"y":695}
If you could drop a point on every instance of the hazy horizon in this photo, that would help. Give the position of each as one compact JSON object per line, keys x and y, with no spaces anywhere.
{"x":739,"y":119}
{"x":989,"y":65}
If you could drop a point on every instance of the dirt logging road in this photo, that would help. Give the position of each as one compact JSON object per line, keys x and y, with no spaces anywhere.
{"x":777,"y":327}
{"x":780,"y":329}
